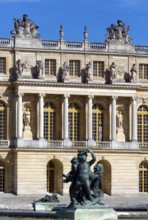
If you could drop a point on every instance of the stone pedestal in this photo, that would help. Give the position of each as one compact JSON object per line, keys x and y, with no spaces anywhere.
{"x":27,"y":134}
{"x":120,"y":135}
{"x":101,"y":213}
{"x":44,"y":206}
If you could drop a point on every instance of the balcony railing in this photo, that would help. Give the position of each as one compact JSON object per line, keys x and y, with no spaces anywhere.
{"x":4,"y":143}
{"x":97,"y":46}
{"x":79,"y":144}
{"x":143,"y":146}
{"x":103,"y":145}
{"x":55,"y":143}
{"x":73,"y":44}
{"x":50,"y":43}
{"x":141,"y":48}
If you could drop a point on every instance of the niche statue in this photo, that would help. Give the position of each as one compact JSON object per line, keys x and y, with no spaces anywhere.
{"x":85,"y":188}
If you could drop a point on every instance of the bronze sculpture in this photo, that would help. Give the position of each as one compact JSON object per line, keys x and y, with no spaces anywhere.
{"x":85,"y":185}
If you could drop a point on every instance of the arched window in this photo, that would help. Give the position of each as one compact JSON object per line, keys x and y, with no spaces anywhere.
{"x":2,"y":122}
{"x":143,"y":177}
{"x":106,"y":177}
{"x":97,"y":122}
{"x":73,"y":122}
{"x":2,"y":176}
{"x":142,"y":124}
{"x":54,"y":176}
{"x":49,"y":121}
{"x":50,"y":177}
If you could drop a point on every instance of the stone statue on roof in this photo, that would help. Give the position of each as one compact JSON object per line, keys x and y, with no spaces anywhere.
{"x":25,"y":28}
{"x":118,"y":33}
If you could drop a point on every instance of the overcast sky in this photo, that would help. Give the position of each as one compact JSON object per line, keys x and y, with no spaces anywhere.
{"x":97,"y":15}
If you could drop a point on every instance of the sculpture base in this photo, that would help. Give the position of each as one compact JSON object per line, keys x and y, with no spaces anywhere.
{"x":120,"y":135}
{"x":27,"y":134}
{"x":87,"y":213}
{"x":44,"y":206}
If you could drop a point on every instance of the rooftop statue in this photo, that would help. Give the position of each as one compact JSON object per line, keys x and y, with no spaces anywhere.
{"x":25,"y":28}
{"x":84,"y":189}
{"x":118,"y":33}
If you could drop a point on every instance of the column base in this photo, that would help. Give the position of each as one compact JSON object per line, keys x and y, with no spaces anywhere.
{"x":91,"y":143}
{"x":20,"y":142}
{"x":67,"y":143}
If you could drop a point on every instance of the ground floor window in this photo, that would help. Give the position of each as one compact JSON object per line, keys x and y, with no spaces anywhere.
{"x":143,"y":177}
{"x":54,"y":177}
{"x":2,"y":176}
{"x":50,"y":177}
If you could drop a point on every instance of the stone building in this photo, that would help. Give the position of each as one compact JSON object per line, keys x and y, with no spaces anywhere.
{"x":60,"y":96}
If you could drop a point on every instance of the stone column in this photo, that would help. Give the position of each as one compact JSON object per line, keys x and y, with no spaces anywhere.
{"x":113,"y":134}
{"x":67,"y":142}
{"x":41,"y":116}
{"x":91,"y":142}
{"x":134,"y":119}
{"x":19,"y":117}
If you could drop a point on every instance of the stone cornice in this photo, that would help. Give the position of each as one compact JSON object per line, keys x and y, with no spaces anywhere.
{"x":137,"y":87}
{"x":81,"y":85}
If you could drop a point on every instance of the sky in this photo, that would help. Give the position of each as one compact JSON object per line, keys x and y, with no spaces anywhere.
{"x":97,"y":15}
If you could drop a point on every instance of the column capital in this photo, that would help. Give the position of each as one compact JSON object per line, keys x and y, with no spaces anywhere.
{"x":114,"y":97}
{"x":41,"y":95}
{"x":90,"y":96}
{"x":20,"y":94}
{"x":66,"y":95}
{"x":134,"y":98}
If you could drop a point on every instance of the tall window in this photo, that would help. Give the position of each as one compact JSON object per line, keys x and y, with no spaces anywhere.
{"x":142,"y":124}
{"x":73,"y":120}
{"x":143,"y":71}
{"x":50,"y":177}
{"x":74,"y":67}
{"x":2,"y":65}
{"x":143,"y":177}
{"x":2,"y":122}
{"x":49,"y":121}
{"x":2,"y":176}
{"x":50,"y":67}
{"x":97,"y":122}
{"x":98,"y":68}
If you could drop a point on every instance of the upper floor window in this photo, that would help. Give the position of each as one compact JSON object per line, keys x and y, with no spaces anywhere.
{"x":74,"y":122}
{"x":2,"y":122}
{"x":2,"y":65}
{"x":49,"y":121}
{"x":143,"y":71}
{"x":98,"y":68}
{"x":50,"y":67}
{"x":97,"y":122}
{"x":142,"y":124}
{"x":74,"y":67}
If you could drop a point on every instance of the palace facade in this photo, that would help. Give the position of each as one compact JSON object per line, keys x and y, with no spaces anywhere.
{"x":60,"y":96}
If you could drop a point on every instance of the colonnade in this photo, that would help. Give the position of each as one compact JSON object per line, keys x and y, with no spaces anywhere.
{"x":66,"y":101}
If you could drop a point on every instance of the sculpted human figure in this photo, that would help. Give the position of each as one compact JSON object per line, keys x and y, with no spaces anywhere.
{"x":39,"y":68}
{"x":83,"y":175}
{"x":85,"y":188}
{"x":86,"y":73}
{"x":25,"y":28}
{"x":96,"y":181}
{"x":19,"y":68}
{"x":118,"y":33}
{"x":120,"y":120}
{"x":26,"y":118}
{"x":63,"y":72}
{"x":133,"y":73}
{"x":70,"y":177}
{"x":113,"y":71}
